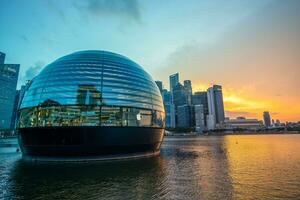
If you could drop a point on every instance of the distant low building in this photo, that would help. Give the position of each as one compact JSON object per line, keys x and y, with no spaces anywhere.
{"x":243,"y":123}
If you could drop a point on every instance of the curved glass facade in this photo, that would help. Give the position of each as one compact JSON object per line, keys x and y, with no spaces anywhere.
{"x":92,"y":88}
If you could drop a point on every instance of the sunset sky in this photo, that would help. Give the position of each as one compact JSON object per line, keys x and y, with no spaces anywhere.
{"x":250,"y":47}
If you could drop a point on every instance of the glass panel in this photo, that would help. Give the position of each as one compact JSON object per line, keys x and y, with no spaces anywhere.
{"x":111,"y":116}
{"x":28,"y":118}
{"x":89,"y":115}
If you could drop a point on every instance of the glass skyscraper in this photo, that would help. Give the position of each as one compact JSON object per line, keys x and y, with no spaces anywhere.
{"x":159,"y":85}
{"x":200,"y":98}
{"x":8,"y":82}
{"x":174,"y":80}
{"x":215,"y":106}
{"x":169,"y":109}
{"x":187,"y":84}
{"x":91,"y":103}
{"x":2,"y":58}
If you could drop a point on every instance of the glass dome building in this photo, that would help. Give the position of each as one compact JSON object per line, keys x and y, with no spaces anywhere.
{"x":91,"y":103}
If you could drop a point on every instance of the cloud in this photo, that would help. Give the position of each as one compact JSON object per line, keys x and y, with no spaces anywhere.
{"x":261,"y":51}
{"x":129,"y":9}
{"x":53,"y":6}
{"x":32,"y":71}
{"x":24,"y":38}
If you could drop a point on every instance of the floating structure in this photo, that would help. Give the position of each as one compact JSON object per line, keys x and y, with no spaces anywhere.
{"x":91,"y":104}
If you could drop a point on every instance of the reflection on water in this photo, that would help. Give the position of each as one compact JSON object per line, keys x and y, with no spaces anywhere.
{"x":264,"y":167}
{"x":230,"y":167}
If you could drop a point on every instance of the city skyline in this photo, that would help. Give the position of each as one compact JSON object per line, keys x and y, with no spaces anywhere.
{"x":249,"y":47}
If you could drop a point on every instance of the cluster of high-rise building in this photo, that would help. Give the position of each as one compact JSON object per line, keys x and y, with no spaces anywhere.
{"x":196,"y":111}
{"x":10,"y":97}
{"x":184,"y":109}
{"x":9,"y":74}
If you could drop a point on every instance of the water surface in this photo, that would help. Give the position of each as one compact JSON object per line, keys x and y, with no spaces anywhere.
{"x":229,"y":167}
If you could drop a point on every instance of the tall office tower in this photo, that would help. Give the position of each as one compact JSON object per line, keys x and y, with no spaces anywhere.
{"x":2,"y":58}
{"x":8,"y":82}
{"x":200,"y":98}
{"x":267,"y":119}
{"x":169,"y":109}
{"x":220,"y":114}
{"x":18,"y":98}
{"x":188,"y":91}
{"x":211,"y":117}
{"x":174,"y":80}
{"x":178,"y":95}
{"x":199,"y":118}
{"x":159,"y":85}
{"x":215,"y":105}
{"x":185,"y":119}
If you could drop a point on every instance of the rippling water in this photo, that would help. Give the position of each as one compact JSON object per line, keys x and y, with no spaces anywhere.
{"x":229,"y":167}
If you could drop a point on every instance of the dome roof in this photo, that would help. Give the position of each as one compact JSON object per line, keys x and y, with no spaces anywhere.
{"x":93,"y":78}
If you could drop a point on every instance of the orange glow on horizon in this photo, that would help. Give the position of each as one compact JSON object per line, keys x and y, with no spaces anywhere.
{"x":247,"y":103}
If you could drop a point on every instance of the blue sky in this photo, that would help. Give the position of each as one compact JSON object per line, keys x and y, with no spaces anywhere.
{"x":35,"y":32}
{"x":224,"y":42}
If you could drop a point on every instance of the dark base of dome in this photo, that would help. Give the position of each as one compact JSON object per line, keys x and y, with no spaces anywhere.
{"x":89,"y":142}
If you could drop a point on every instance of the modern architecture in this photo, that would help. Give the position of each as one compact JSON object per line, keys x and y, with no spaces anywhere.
{"x":267,"y":119}
{"x":91,"y":104}
{"x":215,"y":105}
{"x":185,"y":116}
{"x":8,"y":83}
{"x":188,"y":91}
{"x":174,"y":80}
{"x":199,"y":118}
{"x":200,"y":98}
{"x":159,"y":85}
{"x":243,"y":123}
{"x":169,"y":109}
{"x":2,"y":58}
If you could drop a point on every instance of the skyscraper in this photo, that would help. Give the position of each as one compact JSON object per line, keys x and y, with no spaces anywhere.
{"x":15,"y":108}
{"x":2,"y":58}
{"x":267,"y":119}
{"x":215,"y":105}
{"x":8,"y":82}
{"x":211,"y":117}
{"x":169,"y":109}
{"x":188,"y":91}
{"x":185,"y":116}
{"x":200,"y":98}
{"x":178,"y":95}
{"x":199,"y":118}
{"x":18,"y":99}
{"x":174,"y":80}
{"x":220,"y":114}
{"x":159,"y":85}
